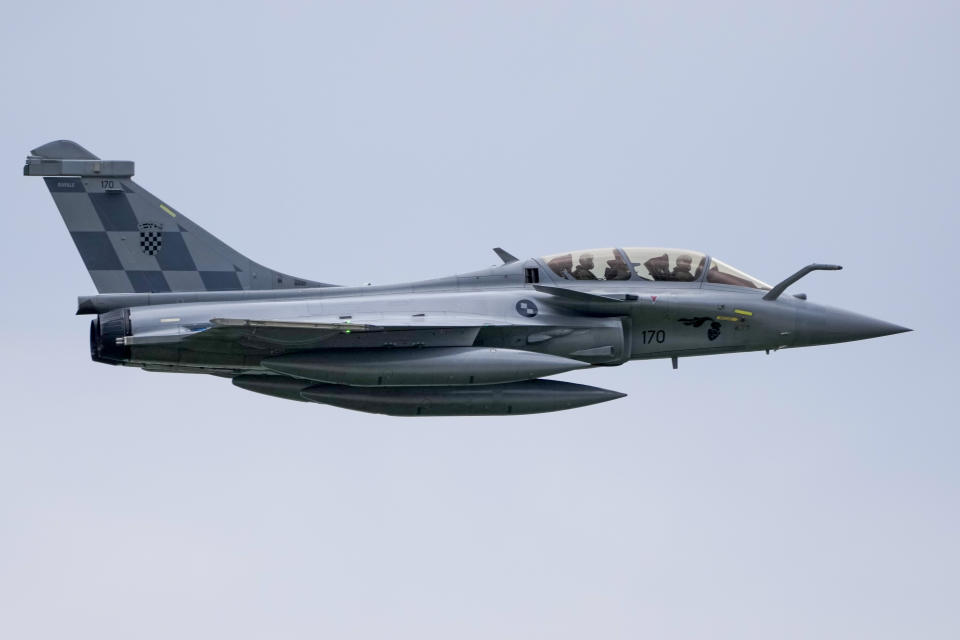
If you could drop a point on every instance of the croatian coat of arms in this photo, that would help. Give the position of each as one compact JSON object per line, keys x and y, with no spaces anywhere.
{"x":151,"y":237}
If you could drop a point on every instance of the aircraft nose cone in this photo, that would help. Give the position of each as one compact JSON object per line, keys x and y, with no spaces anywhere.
{"x":873,"y":328}
{"x":827,"y":326}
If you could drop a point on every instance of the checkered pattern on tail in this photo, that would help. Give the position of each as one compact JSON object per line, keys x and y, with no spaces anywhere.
{"x":131,"y":242}
{"x":151,"y":241}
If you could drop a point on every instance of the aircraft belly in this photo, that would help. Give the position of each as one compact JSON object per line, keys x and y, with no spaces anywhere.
{"x":172,"y":355}
{"x":420,"y":367}
{"x":600,"y":341}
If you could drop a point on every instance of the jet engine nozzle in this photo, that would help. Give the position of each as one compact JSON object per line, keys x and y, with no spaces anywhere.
{"x":106,"y":334}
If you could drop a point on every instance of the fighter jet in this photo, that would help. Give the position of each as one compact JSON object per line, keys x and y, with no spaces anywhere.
{"x":174,"y":298}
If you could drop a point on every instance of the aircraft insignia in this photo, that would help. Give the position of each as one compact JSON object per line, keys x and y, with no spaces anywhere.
{"x":151,"y":238}
{"x":527,"y":308}
{"x":714,"y":331}
{"x":694,"y":322}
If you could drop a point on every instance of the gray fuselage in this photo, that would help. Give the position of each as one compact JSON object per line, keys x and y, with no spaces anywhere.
{"x":614,"y":322}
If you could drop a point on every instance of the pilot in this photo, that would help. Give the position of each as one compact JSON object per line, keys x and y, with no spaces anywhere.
{"x":562,"y":265}
{"x":658,"y":267}
{"x":583,"y":270}
{"x":681,"y":272}
{"x":616,"y":269}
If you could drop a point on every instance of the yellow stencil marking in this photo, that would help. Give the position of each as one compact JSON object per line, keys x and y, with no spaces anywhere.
{"x":168,"y":210}
{"x":169,"y":319}
{"x":728,"y":318}
{"x":743,"y":313}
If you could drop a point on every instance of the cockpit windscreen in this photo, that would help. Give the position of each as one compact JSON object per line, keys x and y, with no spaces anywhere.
{"x":648,"y":263}
{"x":666,"y":265}
{"x":592,"y":264}
{"x":722,"y":273}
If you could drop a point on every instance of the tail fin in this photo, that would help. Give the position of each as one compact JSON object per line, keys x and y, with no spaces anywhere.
{"x":130,"y":241}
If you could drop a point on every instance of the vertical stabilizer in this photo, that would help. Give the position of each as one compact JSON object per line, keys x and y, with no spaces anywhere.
{"x":132,"y":242}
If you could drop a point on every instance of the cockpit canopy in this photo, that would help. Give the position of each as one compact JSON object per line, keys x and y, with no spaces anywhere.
{"x":648,"y":263}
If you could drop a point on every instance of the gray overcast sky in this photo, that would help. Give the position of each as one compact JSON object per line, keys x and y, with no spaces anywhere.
{"x":811,"y":493}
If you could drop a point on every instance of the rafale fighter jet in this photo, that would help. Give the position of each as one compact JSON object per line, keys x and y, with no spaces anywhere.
{"x":174,"y":298}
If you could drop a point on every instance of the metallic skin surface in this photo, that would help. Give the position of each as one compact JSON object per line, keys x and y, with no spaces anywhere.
{"x":172,"y":297}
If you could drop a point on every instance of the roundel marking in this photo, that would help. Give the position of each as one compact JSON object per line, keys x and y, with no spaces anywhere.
{"x":527,"y":308}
